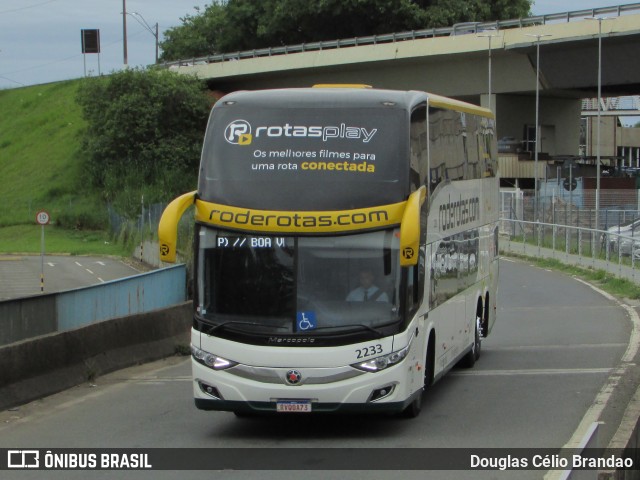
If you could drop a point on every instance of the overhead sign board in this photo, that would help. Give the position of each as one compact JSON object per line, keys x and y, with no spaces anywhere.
{"x":90,"y":40}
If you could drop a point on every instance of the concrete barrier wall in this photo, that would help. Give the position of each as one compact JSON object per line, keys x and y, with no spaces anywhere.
{"x":24,"y":318}
{"x":50,"y":363}
{"x":28,"y":317}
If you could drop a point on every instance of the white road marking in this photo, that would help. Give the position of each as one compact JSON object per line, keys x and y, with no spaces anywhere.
{"x":78,"y":264}
{"x":532,"y":371}
{"x":634,"y":340}
{"x":576,"y":346}
{"x":160,"y":380}
{"x":597,"y":407}
{"x":89,"y":271}
{"x":101,"y":263}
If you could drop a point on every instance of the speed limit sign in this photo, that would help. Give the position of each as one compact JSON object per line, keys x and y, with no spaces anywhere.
{"x":42,"y":217}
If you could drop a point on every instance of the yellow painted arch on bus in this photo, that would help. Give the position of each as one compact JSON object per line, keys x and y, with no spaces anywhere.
{"x":406,"y":214}
{"x":410,"y":228}
{"x":168,"y":227}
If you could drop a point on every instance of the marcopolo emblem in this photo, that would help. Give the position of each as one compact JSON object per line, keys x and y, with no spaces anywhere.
{"x":238,"y":132}
{"x":293,"y":377}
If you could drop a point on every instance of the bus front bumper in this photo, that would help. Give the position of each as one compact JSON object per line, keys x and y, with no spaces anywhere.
{"x":253,"y":408}
{"x":385,"y":391}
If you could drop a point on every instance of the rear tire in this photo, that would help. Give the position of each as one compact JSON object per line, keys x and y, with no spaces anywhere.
{"x":469,"y":360}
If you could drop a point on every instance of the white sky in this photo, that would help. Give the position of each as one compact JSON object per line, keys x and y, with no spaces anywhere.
{"x":40,"y":39}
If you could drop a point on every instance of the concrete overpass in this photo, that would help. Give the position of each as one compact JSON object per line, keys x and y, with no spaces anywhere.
{"x":445,"y":62}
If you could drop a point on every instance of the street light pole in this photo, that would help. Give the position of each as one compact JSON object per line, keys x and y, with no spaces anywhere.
{"x":489,"y":36}
{"x":599,"y":19}
{"x":536,"y":147}
{"x":153,"y":31}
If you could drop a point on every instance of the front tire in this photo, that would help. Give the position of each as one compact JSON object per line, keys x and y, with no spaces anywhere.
{"x":414,"y":408}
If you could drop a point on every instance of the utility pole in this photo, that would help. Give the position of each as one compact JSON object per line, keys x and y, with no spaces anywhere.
{"x":124,"y":30}
{"x":598,"y":160}
{"x":537,"y":143}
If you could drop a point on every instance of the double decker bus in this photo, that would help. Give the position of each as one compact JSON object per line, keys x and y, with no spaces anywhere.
{"x":346,"y":250}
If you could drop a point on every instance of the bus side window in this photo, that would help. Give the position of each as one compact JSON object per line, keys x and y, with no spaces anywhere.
{"x":419,"y":161}
{"x":415,"y":285}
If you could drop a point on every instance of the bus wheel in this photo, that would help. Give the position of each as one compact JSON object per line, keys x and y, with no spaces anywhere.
{"x":414,"y":408}
{"x":472,"y":355}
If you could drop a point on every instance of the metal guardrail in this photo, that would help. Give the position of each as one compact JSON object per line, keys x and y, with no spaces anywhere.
{"x":410,"y":35}
{"x":614,"y":253}
{"x":27,"y":317}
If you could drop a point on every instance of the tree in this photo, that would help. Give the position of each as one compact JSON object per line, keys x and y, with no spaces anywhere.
{"x":299,"y":21}
{"x":250,"y":24}
{"x":197,"y":36}
{"x":144,"y":134}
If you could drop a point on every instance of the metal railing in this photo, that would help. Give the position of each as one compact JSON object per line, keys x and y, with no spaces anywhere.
{"x":619,"y":207}
{"x":409,"y":35}
{"x":617,"y":254}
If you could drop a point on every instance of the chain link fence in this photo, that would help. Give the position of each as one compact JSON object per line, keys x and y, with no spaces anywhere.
{"x":140,"y":234}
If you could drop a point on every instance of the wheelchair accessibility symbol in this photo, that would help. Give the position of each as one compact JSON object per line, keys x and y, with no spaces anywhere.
{"x":306,"y":321}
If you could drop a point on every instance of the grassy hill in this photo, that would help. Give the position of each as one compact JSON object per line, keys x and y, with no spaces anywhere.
{"x":41,"y":168}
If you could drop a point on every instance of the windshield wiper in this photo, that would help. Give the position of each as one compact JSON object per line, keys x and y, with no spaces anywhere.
{"x":359,"y":325}
{"x":211,"y":327}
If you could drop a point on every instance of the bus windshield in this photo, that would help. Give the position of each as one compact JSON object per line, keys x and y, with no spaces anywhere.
{"x":289,"y":285}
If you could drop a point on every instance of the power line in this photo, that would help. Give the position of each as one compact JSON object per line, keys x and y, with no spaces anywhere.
{"x":27,"y":7}
{"x":66,"y":59}
{"x":13,"y":81}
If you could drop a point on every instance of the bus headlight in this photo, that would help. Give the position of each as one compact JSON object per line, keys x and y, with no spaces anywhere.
{"x":384,"y":361}
{"x":210,"y":360}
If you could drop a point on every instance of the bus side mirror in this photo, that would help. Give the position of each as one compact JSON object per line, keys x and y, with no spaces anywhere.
{"x":410,"y":228}
{"x":168,"y":227}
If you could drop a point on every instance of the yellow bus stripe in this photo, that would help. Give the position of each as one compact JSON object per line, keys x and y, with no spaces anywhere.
{"x":299,"y":221}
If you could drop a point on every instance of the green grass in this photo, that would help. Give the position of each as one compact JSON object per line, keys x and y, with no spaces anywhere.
{"x":41,"y":168}
{"x":39,"y":152}
{"x":27,"y":239}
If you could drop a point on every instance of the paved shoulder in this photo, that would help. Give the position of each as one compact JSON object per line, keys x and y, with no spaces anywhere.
{"x":20,"y":274}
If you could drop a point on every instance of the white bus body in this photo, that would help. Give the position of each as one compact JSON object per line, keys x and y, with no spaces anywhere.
{"x":297,"y":201}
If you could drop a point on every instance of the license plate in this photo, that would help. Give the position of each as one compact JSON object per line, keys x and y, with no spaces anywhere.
{"x":293,"y":406}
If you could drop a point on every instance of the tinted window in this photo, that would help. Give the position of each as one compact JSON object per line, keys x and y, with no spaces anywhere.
{"x":298,"y":285}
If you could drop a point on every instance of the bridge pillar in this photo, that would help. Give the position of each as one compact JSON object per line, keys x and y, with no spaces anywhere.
{"x":559,"y":122}
{"x":487,"y":102}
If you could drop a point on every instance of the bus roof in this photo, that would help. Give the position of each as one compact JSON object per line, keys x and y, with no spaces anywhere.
{"x":336,"y":96}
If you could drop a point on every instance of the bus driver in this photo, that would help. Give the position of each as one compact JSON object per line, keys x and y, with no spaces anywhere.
{"x":367,"y":291}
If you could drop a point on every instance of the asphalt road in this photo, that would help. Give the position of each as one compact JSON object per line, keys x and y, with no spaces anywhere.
{"x":547,"y":370}
{"x":20,"y":274}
